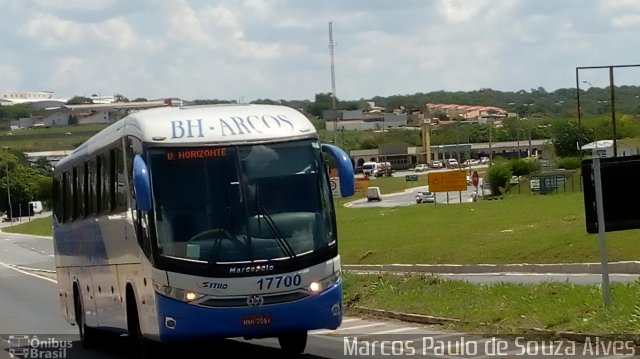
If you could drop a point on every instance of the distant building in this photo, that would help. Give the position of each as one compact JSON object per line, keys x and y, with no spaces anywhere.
{"x":361,"y":121}
{"x":16,"y":97}
{"x":604,"y":148}
{"x":480,"y":114}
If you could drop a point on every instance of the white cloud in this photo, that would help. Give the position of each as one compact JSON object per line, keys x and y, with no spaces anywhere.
{"x":279,"y":49}
{"x":9,"y":77}
{"x":626,"y":21}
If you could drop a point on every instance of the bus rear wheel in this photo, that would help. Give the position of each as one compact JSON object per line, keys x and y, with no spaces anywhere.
{"x":293,"y":343}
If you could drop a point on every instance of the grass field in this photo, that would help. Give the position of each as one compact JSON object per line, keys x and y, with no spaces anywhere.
{"x":56,"y":138}
{"x":38,"y":227}
{"x":518,"y":228}
{"x":515,"y":229}
{"x":502,"y":308}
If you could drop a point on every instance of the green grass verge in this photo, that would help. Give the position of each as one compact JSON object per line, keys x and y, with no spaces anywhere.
{"x":502,"y":307}
{"x":516,"y":229}
{"x":56,"y":138}
{"x":37,"y":227}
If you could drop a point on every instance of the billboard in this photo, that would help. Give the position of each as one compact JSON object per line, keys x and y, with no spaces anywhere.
{"x":620,"y":197}
{"x":447,"y":181}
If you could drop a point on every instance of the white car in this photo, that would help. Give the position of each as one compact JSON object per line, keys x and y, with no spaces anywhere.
{"x":421,"y":168}
{"x":437,"y":164}
{"x":452,"y":163}
{"x":373,"y":194}
{"x":425,"y":197}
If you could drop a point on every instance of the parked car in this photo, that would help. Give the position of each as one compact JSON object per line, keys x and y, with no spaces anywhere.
{"x":437,"y":164}
{"x":425,"y":197}
{"x":452,"y":163}
{"x":373,"y":194}
{"x":421,"y":167}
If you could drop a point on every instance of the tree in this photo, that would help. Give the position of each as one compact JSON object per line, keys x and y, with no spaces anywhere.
{"x":498,"y":176}
{"x":567,"y":137}
{"x":79,"y":100}
{"x":73,"y":120}
{"x":23,"y":182}
{"x":323,"y":102}
{"x":119,"y":98}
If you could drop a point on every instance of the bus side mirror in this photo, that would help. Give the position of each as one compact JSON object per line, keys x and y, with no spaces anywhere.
{"x":345,"y":169}
{"x":141,"y":184}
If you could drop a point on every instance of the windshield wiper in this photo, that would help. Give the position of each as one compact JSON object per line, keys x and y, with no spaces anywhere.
{"x":282,"y":243}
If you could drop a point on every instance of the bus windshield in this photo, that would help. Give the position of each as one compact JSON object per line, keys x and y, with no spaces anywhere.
{"x":241,"y":203}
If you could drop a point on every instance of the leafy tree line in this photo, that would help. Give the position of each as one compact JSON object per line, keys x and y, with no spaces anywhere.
{"x":22,"y":182}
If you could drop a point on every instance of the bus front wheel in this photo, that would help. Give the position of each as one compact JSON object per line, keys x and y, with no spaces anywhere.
{"x":144,"y":347}
{"x":293,"y":343}
{"x":87,"y":334}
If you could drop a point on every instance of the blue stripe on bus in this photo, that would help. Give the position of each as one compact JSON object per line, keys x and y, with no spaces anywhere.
{"x":193,"y":322}
{"x":81,"y":239}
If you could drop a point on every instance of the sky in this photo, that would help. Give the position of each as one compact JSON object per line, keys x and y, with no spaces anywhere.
{"x":246,"y":50}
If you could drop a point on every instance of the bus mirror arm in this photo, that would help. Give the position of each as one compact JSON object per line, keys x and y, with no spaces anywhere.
{"x":345,"y":169}
{"x":142,"y":184}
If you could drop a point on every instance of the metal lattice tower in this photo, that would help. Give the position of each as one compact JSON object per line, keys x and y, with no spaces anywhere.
{"x":333,"y":84}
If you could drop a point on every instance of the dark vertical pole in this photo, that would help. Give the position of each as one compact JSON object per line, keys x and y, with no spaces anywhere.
{"x":578,"y":95}
{"x":613,"y":111}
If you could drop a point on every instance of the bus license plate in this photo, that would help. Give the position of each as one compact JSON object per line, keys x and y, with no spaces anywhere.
{"x":256,"y":320}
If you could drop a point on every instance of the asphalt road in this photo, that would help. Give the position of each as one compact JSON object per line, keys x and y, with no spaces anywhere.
{"x":31,"y":325}
{"x":407,"y":198}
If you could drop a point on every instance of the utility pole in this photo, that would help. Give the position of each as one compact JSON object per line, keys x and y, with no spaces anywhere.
{"x":10,"y":216}
{"x":333,"y":84}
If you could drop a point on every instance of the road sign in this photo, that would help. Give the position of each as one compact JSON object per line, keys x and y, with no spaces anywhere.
{"x":335,"y":186}
{"x":475,"y":179}
{"x":447,"y":181}
{"x":411,"y":178}
{"x":362,"y":184}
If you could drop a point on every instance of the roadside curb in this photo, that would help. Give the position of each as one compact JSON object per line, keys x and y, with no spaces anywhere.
{"x":623,"y":267}
{"x":432,"y":320}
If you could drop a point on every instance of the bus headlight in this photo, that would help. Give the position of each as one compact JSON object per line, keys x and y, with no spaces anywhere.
{"x":177,"y":293}
{"x":325,"y":283}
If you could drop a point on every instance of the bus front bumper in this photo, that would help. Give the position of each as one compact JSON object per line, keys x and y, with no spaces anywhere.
{"x":179,"y":321}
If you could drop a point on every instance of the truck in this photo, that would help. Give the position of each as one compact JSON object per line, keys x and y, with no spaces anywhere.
{"x":35,"y":207}
{"x":376,"y":169}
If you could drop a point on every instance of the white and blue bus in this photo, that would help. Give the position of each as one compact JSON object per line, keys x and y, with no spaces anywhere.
{"x":183,"y":223}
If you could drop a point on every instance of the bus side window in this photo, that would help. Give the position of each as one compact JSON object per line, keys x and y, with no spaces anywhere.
{"x":86,"y":195}
{"x":75,"y":194}
{"x":93,"y":182}
{"x":99,"y":161}
{"x":67,"y":204}
{"x":57,"y":197}
{"x":105,"y":177}
{"x":119,"y":178}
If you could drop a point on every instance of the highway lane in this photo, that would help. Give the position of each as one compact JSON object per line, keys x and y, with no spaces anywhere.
{"x":407,"y":197}
{"x":29,"y":310}
{"x":528,"y":278}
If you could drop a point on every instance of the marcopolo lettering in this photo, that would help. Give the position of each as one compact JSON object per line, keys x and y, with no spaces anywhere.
{"x":237,"y":125}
